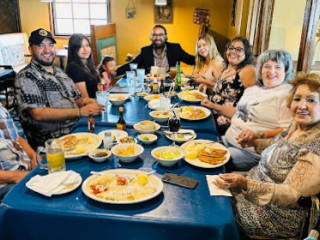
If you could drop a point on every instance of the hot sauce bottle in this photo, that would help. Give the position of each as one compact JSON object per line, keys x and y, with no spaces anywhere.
{"x":90,"y":122}
{"x":121,"y":124}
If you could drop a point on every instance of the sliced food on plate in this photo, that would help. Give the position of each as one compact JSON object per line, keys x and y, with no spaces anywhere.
{"x":194,"y":113}
{"x":205,"y":153}
{"x":192,"y":96}
{"x":122,"y":186}
{"x":79,"y":144}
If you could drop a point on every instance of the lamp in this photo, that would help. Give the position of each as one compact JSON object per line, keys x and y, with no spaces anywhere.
{"x":161,"y":2}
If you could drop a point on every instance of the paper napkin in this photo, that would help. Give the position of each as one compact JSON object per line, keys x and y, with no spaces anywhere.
{"x":53,"y":183}
{"x":214,"y":190}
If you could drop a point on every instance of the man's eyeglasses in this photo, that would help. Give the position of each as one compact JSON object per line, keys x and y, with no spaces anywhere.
{"x":238,"y":50}
{"x":158,"y":35}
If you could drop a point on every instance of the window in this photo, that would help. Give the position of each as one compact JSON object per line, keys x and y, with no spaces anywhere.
{"x":75,"y":16}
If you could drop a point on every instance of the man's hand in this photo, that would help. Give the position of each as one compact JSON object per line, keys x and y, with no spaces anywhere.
{"x":246,"y":138}
{"x":95,"y":107}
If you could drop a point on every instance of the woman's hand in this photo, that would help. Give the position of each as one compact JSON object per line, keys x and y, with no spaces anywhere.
{"x":207,"y":103}
{"x":246,"y":138}
{"x":202,"y":88}
{"x":231,"y":180}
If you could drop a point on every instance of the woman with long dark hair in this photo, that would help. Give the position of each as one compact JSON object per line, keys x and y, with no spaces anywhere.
{"x":80,"y":66}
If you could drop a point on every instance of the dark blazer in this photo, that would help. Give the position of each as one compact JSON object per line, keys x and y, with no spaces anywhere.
{"x":145,"y":59}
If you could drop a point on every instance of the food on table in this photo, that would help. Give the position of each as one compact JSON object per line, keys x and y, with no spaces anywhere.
{"x":140,"y":94}
{"x":114,"y":138}
{"x":80,"y":149}
{"x":192,"y":96}
{"x":180,"y":135}
{"x":73,"y":144}
{"x":101,"y":153}
{"x":167,"y":154}
{"x":117,"y":98}
{"x":129,"y":151}
{"x":152,"y":97}
{"x":146,"y":139}
{"x":126,"y":187}
{"x":161,"y":114}
{"x":205,"y":153}
{"x":70,"y":142}
{"x":127,"y":140}
{"x":192,"y":113}
{"x":188,"y":87}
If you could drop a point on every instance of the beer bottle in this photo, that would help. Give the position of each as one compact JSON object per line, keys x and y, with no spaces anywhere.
{"x":178,"y":78}
{"x":90,"y":122}
{"x":162,"y":88}
{"x":121,"y":124}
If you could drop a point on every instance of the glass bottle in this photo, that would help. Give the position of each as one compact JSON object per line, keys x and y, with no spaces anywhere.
{"x":162,"y":88}
{"x":178,"y":78}
{"x":90,"y":122}
{"x":155,"y":84}
{"x":121,"y":124}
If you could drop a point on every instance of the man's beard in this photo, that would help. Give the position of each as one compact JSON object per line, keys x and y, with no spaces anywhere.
{"x":161,"y":46}
{"x":43,"y":63}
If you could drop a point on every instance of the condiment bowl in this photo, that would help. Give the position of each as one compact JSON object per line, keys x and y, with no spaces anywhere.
{"x":167,"y":156}
{"x":100,"y":155}
{"x":117,"y":99}
{"x":147,"y":138}
{"x":126,"y":156}
{"x":160,"y":116}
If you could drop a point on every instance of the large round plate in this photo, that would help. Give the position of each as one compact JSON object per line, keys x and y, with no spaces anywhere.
{"x":96,"y":142}
{"x":154,"y":180}
{"x":185,"y":138}
{"x":206,"y":111}
{"x":114,"y":132}
{"x":183,"y":96}
{"x":197,"y":162}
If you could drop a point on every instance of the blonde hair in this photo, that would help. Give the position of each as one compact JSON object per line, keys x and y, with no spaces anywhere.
{"x":312,"y":80}
{"x":213,"y":51}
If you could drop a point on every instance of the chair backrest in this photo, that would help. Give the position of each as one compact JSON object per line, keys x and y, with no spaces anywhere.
{"x":103,"y":41}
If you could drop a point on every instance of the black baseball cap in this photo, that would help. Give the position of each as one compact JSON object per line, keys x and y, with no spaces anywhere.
{"x":38,"y":35}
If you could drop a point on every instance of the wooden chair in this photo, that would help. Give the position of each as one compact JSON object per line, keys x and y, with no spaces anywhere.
{"x":103,"y":42}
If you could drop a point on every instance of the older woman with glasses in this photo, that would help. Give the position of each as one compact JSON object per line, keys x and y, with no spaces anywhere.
{"x":237,"y":75}
{"x":261,"y":111}
{"x":266,"y":204}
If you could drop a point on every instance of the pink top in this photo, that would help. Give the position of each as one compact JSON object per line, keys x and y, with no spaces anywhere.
{"x":107,"y":77}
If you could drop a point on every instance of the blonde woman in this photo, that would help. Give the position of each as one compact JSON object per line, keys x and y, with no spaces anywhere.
{"x":209,"y":63}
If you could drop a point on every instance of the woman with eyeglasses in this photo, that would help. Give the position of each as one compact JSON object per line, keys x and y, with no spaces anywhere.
{"x":237,"y":75}
{"x":80,"y":66}
{"x":208,"y":61}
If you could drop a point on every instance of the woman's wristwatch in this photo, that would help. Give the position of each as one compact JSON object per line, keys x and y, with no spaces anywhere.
{"x":260,"y":134}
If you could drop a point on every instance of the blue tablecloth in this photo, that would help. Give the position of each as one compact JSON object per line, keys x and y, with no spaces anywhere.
{"x":177,"y":213}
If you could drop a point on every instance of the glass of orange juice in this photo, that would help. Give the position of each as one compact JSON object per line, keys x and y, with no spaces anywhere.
{"x":55,"y":156}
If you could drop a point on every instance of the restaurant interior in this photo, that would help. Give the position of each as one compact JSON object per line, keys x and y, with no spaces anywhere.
{"x":176,"y":208}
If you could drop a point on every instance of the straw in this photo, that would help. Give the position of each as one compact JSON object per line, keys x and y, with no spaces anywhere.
{"x":170,"y":89}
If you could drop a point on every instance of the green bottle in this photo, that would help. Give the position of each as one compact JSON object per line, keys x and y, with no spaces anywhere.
{"x":178,"y":78}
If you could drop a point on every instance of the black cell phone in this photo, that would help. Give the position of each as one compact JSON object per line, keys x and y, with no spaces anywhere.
{"x":179,"y":180}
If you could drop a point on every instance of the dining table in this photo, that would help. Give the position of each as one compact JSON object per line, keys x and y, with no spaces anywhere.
{"x":176,"y":213}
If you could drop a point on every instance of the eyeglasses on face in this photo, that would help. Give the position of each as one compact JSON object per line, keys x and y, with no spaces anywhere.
{"x":158,"y":35}
{"x":238,"y":50}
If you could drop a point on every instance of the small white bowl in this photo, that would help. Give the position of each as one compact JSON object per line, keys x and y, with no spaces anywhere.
{"x":159,"y":118}
{"x":167,"y":162}
{"x":93,"y":155}
{"x":151,"y":97}
{"x":147,"y":138}
{"x":138,"y":149}
{"x":137,"y":127}
{"x":117,"y":99}
{"x":147,"y":125}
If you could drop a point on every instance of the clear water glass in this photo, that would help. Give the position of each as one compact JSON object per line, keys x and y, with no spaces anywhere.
{"x":103,"y":98}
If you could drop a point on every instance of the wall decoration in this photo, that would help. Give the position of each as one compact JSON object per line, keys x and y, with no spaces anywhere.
{"x":9,"y":16}
{"x":130,"y":10}
{"x":233,"y":13}
{"x":163,"y":14}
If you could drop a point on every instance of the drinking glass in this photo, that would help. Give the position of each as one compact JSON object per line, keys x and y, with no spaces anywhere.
{"x":133,"y":67}
{"x":165,"y":103}
{"x":174,"y":126}
{"x":103,"y":98}
{"x":131,"y":82}
{"x":173,"y":72}
{"x":55,"y":156}
{"x":141,"y":74}
{"x":154,"y":70}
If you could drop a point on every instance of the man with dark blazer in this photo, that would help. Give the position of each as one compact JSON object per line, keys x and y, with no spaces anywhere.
{"x":160,"y":53}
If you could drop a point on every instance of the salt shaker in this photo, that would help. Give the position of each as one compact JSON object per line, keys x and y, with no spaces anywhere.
{"x":107,"y":140}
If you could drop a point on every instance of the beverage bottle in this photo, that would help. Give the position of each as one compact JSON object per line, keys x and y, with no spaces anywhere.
{"x":90,"y":122}
{"x":107,"y":140}
{"x":162,"y":88}
{"x":155,"y":84}
{"x":121,"y":124}
{"x":178,"y":78}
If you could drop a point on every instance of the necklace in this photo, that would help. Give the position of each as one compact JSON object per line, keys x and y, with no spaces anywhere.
{"x":229,"y":69}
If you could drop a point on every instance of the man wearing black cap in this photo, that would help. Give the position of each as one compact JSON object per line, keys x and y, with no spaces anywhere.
{"x":49,"y":104}
{"x":160,"y":53}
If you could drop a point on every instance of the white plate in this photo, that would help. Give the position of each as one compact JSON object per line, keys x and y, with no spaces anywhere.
{"x":197,"y":162}
{"x":154,"y":180}
{"x":137,"y":127}
{"x":97,"y":142}
{"x":207,"y":113}
{"x":76,"y":185}
{"x":185,"y":138}
{"x":151,"y":97}
{"x":182,"y":96}
{"x":114,"y":132}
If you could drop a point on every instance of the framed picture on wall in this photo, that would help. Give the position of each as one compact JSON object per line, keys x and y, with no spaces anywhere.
{"x":163,"y":13}
{"x":9,"y":16}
